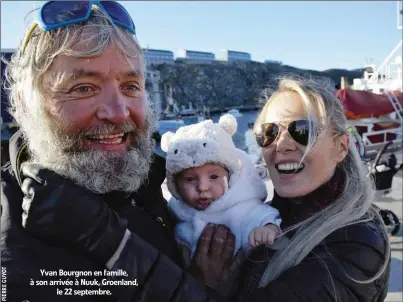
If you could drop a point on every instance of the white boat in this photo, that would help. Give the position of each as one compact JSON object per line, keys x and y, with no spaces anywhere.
{"x":235,"y":112}
{"x":191,"y":116}
{"x":174,"y":119}
{"x":379,"y":89}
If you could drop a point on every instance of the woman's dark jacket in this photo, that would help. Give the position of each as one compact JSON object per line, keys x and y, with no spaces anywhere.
{"x":325,"y":275}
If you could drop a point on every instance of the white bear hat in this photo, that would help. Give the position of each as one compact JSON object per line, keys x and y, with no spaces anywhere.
{"x":199,"y":144}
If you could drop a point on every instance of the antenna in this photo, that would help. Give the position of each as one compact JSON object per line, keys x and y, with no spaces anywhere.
{"x":399,"y":10}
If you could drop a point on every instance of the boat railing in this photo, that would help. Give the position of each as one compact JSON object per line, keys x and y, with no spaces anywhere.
{"x":385,"y":71}
{"x":397,"y":107}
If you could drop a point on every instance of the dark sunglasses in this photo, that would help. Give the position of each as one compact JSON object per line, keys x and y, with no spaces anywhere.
{"x":298,"y":130}
{"x":56,"y":14}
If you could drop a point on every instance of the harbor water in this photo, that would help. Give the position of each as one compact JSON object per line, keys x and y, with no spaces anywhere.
{"x":239,"y":136}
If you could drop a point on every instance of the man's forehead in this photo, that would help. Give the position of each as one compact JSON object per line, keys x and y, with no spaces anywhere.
{"x":112,"y":60}
{"x":77,"y":73}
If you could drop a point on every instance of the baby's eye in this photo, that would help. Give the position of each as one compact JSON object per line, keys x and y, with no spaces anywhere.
{"x":214,"y":176}
{"x":190,"y":179}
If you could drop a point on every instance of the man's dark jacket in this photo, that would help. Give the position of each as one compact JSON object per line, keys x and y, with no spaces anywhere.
{"x":24,"y":256}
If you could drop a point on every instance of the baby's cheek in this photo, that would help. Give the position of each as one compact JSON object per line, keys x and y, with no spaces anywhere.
{"x":188,"y":192}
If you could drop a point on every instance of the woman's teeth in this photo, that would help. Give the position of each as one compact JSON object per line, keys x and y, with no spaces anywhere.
{"x":290,"y":168}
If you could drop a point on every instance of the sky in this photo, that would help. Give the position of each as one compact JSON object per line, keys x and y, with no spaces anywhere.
{"x":316,"y":35}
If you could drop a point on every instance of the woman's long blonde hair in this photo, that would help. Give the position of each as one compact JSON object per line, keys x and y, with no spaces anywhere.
{"x":351,"y":207}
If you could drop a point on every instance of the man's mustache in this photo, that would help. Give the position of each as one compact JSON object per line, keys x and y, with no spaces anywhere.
{"x":106,"y":129}
{"x":75,"y":143}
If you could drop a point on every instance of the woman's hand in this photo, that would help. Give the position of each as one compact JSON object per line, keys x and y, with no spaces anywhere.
{"x":213,"y":261}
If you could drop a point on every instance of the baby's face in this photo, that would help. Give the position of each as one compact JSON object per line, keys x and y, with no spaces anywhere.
{"x":200,"y":186}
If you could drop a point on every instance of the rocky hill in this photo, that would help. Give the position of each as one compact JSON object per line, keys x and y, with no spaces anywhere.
{"x":224,"y":85}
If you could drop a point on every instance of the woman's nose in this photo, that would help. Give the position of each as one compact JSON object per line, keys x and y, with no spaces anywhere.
{"x":284,"y":142}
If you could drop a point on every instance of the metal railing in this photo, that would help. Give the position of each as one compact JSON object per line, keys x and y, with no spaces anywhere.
{"x":384,"y":72}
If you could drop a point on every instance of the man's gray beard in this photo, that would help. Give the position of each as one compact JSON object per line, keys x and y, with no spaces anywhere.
{"x":98,"y":171}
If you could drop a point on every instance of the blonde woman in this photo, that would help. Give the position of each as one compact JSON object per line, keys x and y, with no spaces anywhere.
{"x":338,"y":248}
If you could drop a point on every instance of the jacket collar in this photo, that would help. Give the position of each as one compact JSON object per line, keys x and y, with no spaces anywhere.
{"x":18,"y":150}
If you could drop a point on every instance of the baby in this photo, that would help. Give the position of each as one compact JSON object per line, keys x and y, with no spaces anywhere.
{"x":211,"y":181}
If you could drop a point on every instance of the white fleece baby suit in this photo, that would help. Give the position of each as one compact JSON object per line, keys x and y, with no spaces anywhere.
{"x":241,"y":208}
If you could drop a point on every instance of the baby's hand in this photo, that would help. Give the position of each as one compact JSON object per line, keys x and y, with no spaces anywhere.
{"x":263,"y":235}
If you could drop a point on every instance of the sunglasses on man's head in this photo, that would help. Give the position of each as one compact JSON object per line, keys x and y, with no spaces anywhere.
{"x":56,"y":14}
{"x":269,"y":132}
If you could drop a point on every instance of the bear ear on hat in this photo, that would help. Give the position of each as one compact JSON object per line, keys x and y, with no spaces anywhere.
{"x":166,"y":139}
{"x":228,"y":123}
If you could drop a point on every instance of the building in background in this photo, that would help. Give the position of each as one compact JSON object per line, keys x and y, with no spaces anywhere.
{"x":195,"y":57}
{"x":158,"y":56}
{"x":272,"y":62}
{"x":233,"y":56}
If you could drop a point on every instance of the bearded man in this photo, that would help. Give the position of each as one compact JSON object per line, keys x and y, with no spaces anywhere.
{"x":82,"y":191}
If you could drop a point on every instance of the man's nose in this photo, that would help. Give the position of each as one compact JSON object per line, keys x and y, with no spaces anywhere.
{"x":113,"y":107}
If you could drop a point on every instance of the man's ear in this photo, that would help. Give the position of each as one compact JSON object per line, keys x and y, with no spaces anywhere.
{"x":342,"y":144}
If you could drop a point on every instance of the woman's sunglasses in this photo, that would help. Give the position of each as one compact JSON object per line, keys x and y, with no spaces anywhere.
{"x":298,"y":130}
{"x":56,"y":14}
